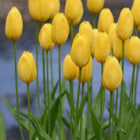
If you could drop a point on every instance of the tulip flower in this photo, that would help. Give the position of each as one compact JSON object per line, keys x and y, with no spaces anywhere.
{"x":105,"y":20}
{"x":136,"y":12}
{"x":54,"y":8}
{"x":134,"y":50}
{"x":74,"y":11}
{"x":102,"y":47}
{"x":69,"y":68}
{"x":80,"y":45}
{"x":125,"y":24}
{"x":60,"y":29}
{"x":117,"y":48}
{"x":45,"y":39}
{"x":86,"y":72}
{"x":14,"y":24}
{"x":112,"y":33}
{"x":95,"y":6}
{"x":27,"y":68}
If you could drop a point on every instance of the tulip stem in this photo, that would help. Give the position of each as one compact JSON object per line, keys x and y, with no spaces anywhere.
{"x":101,"y":104}
{"x":82,"y":110}
{"x":28,"y":92}
{"x":49,"y":101}
{"x":109,"y":132}
{"x":94,"y":21}
{"x":116,"y":106}
{"x":16,"y":83}
{"x":60,"y":88}
{"x":77,"y":103}
{"x":37,"y":82}
{"x":88,"y":109}
{"x":71,"y":108}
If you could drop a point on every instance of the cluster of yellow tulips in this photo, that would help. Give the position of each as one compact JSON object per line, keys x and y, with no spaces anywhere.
{"x":89,"y":43}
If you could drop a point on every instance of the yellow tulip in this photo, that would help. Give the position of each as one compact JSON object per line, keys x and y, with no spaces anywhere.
{"x":54,"y":8}
{"x":136,"y":12}
{"x":105,"y":20}
{"x":112,"y":74}
{"x":134,"y":50}
{"x":27,"y":68}
{"x":69,"y":68}
{"x":45,"y":39}
{"x":112,"y":33}
{"x":14,"y":24}
{"x":80,"y":51}
{"x":102,"y":47}
{"x":139,"y":28}
{"x":125,"y":24}
{"x":74,"y":11}
{"x":60,"y":29}
{"x":117,"y":48}
{"x":95,"y":6}
{"x":86,"y":71}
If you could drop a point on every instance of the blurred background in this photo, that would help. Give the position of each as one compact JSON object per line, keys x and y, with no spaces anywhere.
{"x":27,"y":42}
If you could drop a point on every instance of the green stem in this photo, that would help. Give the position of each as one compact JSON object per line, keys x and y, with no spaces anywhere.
{"x":82,"y":110}
{"x":116,"y":106}
{"x":94,"y":21}
{"x":109,"y":132}
{"x":120,"y":115}
{"x":49,"y":102}
{"x":101,"y":104}
{"x":71,"y":109}
{"x":16,"y":83}
{"x":113,"y":112}
{"x":75,"y":127}
{"x":72,"y":33}
{"x":88,"y":110}
{"x":60,"y":87}
{"x":37,"y":82}
{"x":28,"y":92}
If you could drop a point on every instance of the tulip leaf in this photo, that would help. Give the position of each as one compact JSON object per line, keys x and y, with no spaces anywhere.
{"x":63,"y":132}
{"x":2,"y":128}
{"x":54,"y":91}
{"x":66,"y":122}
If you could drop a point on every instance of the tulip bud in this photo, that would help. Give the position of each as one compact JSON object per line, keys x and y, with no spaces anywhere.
{"x":112,"y":33}
{"x":74,"y":11}
{"x":14,"y":24}
{"x":45,"y":39}
{"x":69,"y":68}
{"x":27,"y":68}
{"x":102,"y":47}
{"x":95,"y":6}
{"x":117,"y":48}
{"x":112,"y":74}
{"x":80,"y":51}
{"x":54,"y":8}
{"x":105,"y":20}
{"x":125,"y":24}
{"x":136,"y":12}
{"x":134,"y":50}
{"x":86,"y":72}
{"x":95,"y":35}
{"x":60,"y":29}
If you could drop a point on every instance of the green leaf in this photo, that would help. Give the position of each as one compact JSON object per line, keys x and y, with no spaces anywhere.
{"x":2,"y":128}
{"x":66,"y":122}
{"x":54,"y":91}
{"x":63,"y":131}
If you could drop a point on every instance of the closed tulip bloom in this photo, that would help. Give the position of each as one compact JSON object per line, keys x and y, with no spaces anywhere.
{"x":69,"y":68}
{"x":102,"y":47}
{"x":54,"y":8}
{"x":74,"y":10}
{"x":117,"y":48}
{"x":134,"y":50}
{"x":112,"y":33}
{"x":105,"y":20}
{"x":60,"y":29}
{"x":112,"y":74}
{"x":136,"y":12}
{"x":125,"y":24}
{"x":139,"y":28}
{"x":95,"y":35}
{"x":27,"y":68}
{"x":86,"y":72}
{"x":45,"y":39}
{"x":14,"y":24}
{"x":80,"y":51}
{"x":95,"y":6}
